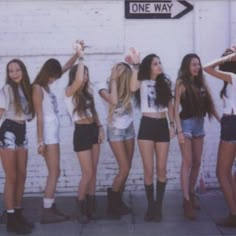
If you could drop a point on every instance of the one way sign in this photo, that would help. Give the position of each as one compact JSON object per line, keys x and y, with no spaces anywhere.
{"x":149,"y":9}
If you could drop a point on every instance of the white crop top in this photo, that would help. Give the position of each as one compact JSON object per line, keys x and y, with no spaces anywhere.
{"x":148,"y":97}
{"x":70,"y":108}
{"x":7,"y":103}
{"x":49,"y":105}
{"x":229,"y":101}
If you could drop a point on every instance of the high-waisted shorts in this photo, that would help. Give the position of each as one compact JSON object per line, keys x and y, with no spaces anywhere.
{"x":13,"y":135}
{"x":85,"y":136}
{"x":154,"y":129}
{"x":228,"y":128}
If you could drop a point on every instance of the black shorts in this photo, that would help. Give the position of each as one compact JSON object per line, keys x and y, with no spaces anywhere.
{"x":228,"y":128}
{"x":154,"y":129}
{"x":13,"y":135}
{"x":85,"y":135}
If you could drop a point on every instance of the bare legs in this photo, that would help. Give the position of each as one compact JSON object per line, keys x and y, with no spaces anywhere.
{"x":123,"y":151}
{"x":191,"y":151}
{"x":226,"y":155}
{"x":14,"y":163}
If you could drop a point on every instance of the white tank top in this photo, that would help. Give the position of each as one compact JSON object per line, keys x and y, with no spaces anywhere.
{"x":229,"y":101}
{"x":70,"y":108}
{"x":49,"y":106}
{"x":7,"y":103}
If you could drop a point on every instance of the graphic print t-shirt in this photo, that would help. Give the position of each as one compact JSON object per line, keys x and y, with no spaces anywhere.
{"x":148,"y":97}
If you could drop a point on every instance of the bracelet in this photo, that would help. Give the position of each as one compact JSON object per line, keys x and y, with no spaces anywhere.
{"x":172,"y":124}
{"x":40,"y":144}
{"x":100,"y":126}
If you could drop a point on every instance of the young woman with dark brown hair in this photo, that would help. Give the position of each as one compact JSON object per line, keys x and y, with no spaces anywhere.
{"x":153,"y":93}
{"x":191,"y":93}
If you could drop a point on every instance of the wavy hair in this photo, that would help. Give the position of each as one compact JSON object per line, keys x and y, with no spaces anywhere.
{"x":163,"y":84}
{"x":25,"y":86}
{"x":194,"y":85}
{"x":83,"y":97}
{"x":124,"y":93}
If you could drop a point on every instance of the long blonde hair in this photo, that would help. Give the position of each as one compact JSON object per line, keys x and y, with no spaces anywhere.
{"x":123,"y":88}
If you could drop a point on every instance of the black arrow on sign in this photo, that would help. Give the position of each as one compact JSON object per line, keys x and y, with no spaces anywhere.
{"x":188,"y":6}
{"x":145,"y":9}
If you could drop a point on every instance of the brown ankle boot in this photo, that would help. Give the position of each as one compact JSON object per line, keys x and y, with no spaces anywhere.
{"x":229,"y":221}
{"x":50,"y":216}
{"x":188,"y":210}
{"x":193,"y":201}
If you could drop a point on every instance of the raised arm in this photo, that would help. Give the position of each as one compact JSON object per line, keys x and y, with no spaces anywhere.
{"x":210,"y":67}
{"x":70,"y":63}
{"x":111,"y":95}
{"x":37,"y":101}
{"x":133,"y":58}
{"x":79,"y":76}
{"x":79,"y":45}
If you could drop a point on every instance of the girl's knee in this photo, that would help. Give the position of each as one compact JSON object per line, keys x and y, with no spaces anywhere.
{"x":161,"y":175}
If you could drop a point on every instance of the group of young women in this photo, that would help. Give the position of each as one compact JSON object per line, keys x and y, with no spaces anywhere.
{"x":164,"y":115}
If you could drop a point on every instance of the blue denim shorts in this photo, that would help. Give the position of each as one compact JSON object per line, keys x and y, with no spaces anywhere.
{"x":193,"y":127}
{"x":114,"y":134}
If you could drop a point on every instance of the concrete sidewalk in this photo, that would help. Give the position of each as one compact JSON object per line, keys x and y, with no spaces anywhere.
{"x":173,"y":224}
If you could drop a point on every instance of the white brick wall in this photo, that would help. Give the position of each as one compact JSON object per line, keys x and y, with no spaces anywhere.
{"x":37,"y":30}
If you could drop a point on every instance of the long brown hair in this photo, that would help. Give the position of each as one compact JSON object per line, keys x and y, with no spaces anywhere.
{"x":50,"y":69}
{"x":83,"y":97}
{"x":25,"y":86}
{"x":194,"y":85}
{"x":163,"y":84}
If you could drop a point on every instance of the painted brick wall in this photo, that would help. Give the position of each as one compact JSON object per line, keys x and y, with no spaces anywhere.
{"x":37,"y":30}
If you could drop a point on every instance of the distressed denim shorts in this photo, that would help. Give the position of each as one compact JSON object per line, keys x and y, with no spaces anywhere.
{"x":114,"y":134}
{"x":193,"y":127}
{"x":13,"y":135}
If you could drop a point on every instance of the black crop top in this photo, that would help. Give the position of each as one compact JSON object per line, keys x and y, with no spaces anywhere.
{"x":191,"y":108}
